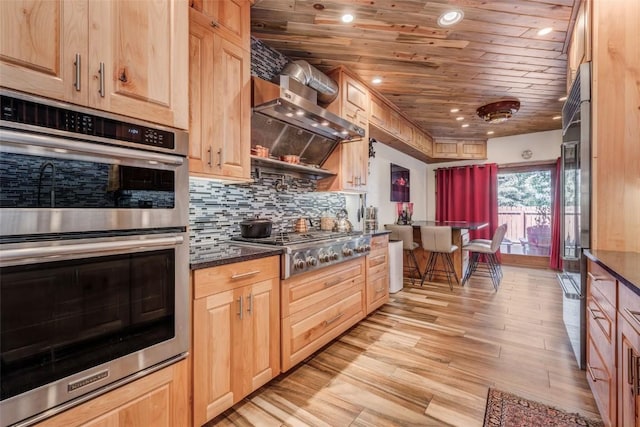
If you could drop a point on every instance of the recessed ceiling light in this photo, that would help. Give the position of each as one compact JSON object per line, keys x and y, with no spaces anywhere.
{"x":347,"y":17}
{"x":562,"y":98}
{"x":450,"y":17}
{"x":455,"y":110}
{"x":544,"y":31}
{"x":490,"y":132}
{"x":376,"y":80}
{"x":556,"y":117}
{"x":466,"y":125}
{"x":459,"y":118}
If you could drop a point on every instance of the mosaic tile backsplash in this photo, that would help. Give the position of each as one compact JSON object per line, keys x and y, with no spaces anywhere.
{"x":216,"y":209}
{"x":266,"y":62}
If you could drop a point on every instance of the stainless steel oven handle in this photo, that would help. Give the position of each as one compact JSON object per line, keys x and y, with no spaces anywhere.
{"x":88,"y":248}
{"x":71,"y":145}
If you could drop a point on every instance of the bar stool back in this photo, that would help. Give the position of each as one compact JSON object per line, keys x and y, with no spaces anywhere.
{"x":405,"y":233}
{"x":437,"y":240}
{"x":491,"y":266}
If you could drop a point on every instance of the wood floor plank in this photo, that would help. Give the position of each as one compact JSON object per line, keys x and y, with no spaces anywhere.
{"x":428,"y":358}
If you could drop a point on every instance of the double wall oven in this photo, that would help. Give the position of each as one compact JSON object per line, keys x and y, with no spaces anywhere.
{"x":93,"y":253}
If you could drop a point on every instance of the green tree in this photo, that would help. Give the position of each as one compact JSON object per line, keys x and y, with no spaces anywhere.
{"x":516,"y":189}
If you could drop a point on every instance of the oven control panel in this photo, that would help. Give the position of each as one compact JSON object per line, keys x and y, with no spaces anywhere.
{"x":311,"y":257}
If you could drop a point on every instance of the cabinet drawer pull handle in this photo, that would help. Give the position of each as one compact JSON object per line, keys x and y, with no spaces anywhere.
{"x":247,"y":274}
{"x":240,"y":307}
{"x":635,"y":388}
{"x":596,"y":278}
{"x":77,"y":63}
{"x":593,"y":376}
{"x":630,"y":367}
{"x":330,"y":321}
{"x":634,"y":315}
{"x":101,"y":72}
{"x":250,"y":308}
{"x":210,"y":157}
{"x":333,"y":283}
{"x":594,"y":315}
{"x":220,"y":158}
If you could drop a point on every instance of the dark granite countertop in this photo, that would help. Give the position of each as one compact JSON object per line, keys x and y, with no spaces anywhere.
{"x":456,"y":225}
{"x":624,"y":266}
{"x":211,"y":255}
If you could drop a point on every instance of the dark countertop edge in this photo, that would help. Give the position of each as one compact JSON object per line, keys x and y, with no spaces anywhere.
{"x":249,"y":253}
{"x":606,"y":260}
{"x":379,"y":233}
{"x":455,"y":225}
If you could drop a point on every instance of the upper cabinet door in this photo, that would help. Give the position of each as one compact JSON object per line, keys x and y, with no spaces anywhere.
{"x":230,"y":17}
{"x":139,"y":59}
{"x":40,"y":43}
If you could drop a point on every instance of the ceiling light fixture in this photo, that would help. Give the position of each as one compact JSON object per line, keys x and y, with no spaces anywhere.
{"x":544,"y":31}
{"x":490,"y":132}
{"x":500,"y":111}
{"x":455,"y":110}
{"x":459,"y":118}
{"x":450,"y":17}
{"x":376,"y":80}
{"x":347,"y":17}
{"x":556,"y":117}
{"x":562,"y":98}
{"x":466,"y":125}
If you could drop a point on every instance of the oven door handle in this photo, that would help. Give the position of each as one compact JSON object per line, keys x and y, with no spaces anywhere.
{"x":18,"y":140}
{"x":88,"y":248}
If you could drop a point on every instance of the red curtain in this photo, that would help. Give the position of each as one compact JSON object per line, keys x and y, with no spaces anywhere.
{"x":469,"y":193}
{"x":555,"y":261}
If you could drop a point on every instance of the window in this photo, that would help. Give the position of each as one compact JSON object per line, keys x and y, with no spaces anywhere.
{"x":524,"y":204}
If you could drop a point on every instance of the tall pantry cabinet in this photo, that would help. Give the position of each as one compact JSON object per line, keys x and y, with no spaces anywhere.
{"x":127,"y":57}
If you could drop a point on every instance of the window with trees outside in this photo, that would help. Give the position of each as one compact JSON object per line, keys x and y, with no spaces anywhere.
{"x":524,"y":204}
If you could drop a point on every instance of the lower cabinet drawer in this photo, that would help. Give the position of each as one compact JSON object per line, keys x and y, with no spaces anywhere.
{"x":377,"y":291}
{"x":601,"y":329}
{"x":602,"y":380}
{"x":303,"y":334}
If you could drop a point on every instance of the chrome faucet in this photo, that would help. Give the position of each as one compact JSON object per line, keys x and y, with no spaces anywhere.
{"x":52,"y":191}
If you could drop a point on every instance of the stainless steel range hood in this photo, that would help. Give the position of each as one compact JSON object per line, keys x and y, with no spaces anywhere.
{"x":287,"y":120}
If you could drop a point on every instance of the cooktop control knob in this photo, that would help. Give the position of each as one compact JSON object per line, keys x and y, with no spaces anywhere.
{"x":333,"y":256}
{"x":323,"y":257}
{"x":311,"y":261}
{"x":367,"y":247}
{"x":359,"y":249}
{"x":298,"y":264}
{"x":347,"y":251}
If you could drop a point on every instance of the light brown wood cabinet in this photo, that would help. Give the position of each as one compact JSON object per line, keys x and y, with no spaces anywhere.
{"x":219,"y":102}
{"x":378,"y":273}
{"x":318,"y":306}
{"x":120,"y":56}
{"x":229,"y":17}
{"x":459,"y":149}
{"x":236,"y":333}
{"x":388,"y":126}
{"x":350,"y":159}
{"x":601,"y":341}
{"x":613,"y":347}
{"x":158,"y":399}
{"x":628,"y":358}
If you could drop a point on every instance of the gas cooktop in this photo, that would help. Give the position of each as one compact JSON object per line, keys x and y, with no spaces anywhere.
{"x":286,"y":238}
{"x":313,"y":250}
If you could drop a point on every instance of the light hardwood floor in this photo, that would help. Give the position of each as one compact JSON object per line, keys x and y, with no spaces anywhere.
{"x":428,"y":357}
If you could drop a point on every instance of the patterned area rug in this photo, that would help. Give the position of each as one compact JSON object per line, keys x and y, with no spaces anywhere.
{"x":508,"y":410}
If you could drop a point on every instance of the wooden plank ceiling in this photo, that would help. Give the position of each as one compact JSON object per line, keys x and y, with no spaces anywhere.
{"x":493,"y":54}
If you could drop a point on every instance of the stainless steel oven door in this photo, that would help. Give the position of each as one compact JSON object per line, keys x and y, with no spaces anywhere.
{"x":52,"y":184}
{"x":82,"y":315}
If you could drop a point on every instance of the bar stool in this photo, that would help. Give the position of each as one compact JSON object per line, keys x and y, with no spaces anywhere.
{"x":437,"y":240}
{"x":405,"y":233}
{"x":488,"y":248}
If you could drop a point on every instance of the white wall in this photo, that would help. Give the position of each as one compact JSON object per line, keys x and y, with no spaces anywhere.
{"x":505,"y":150}
{"x":379,"y":193}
